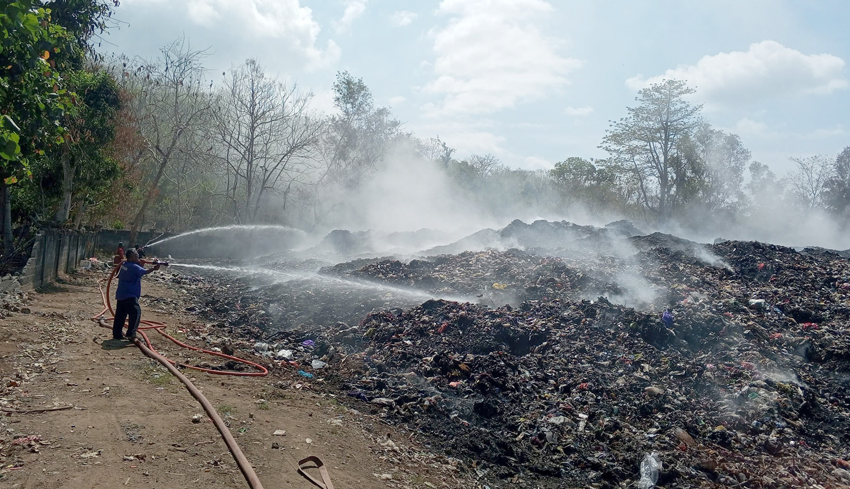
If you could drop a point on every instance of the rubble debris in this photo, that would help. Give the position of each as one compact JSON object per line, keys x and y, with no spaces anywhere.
{"x":564,"y":373}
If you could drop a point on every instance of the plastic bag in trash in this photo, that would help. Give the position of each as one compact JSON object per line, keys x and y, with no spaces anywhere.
{"x":649,"y":468}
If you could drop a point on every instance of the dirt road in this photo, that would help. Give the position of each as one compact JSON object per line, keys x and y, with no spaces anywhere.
{"x":118,"y":419}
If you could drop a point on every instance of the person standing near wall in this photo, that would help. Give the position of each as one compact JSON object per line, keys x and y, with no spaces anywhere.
{"x":127,"y":296}
{"x":118,"y":257}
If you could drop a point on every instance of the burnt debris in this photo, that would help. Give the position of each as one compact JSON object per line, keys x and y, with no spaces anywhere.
{"x":556,"y":370}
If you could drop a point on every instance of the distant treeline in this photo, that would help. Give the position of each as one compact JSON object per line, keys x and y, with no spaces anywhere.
{"x":138,"y":144}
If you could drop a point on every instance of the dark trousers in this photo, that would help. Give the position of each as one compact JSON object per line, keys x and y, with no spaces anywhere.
{"x":126,"y":307}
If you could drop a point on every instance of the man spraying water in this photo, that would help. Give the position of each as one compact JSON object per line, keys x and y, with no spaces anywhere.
{"x":127,"y":295}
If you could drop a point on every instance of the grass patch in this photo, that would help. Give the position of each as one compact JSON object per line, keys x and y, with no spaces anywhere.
{"x":225,"y":410}
{"x":162,"y":379}
{"x":264,"y":406}
{"x":158,"y":375}
{"x":272,"y":394}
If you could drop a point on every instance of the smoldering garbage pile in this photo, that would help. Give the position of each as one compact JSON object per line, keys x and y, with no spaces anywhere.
{"x":748,"y":386}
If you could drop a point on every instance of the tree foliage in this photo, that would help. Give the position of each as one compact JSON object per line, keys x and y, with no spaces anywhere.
{"x":41,"y":44}
{"x":836,"y":194}
{"x":647,"y":144}
{"x":358,"y":137}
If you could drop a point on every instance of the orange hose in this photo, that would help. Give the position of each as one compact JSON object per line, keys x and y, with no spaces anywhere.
{"x":158,"y":327}
{"x":244,"y":466}
{"x":148,"y":349}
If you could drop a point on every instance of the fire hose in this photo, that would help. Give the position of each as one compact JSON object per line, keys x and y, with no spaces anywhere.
{"x":148,"y":349}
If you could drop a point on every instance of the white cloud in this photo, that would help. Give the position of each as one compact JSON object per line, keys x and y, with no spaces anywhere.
{"x":466,"y":137}
{"x":492,"y":55}
{"x":747,"y":127}
{"x":323,"y":101}
{"x":471,"y":141}
{"x":203,"y":13}
{"x":397,"y":100}
{"x":403,"y":18}
{"x":537,"y":163}
{"x":766,"y":69}
{"x":283,"y":20}
{"x":353,"y":10}
{"x":579,"y":111}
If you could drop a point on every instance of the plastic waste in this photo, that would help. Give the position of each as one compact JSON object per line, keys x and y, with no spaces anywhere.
{"x":667,"y":318}
{"x":304,"y":374}
{"x":649,"y":468}
{"x":317,"y":364}
{"x":285,"y":354}
{"x":308,"y":343}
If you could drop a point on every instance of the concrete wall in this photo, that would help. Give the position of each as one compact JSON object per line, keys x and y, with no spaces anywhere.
{"x":55,"y":253}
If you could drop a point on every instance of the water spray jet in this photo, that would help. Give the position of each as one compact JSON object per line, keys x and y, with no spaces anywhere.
{"x":237,"y":227}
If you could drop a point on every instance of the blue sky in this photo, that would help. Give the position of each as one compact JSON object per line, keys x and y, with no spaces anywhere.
{"x":536,"y":81}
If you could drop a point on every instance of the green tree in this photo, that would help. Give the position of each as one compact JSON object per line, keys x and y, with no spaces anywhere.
{"x":764,"y":189}
{"x":355,"y":142}
{"x":359,"y":136}
{"x":31,"y":101}
{"x":646,"y":143}
{"x":710,"y":170}
{"x":837,"y":188}
{"x":39,"y":41}
{"x":593,"y":185}
{"x":90,"y":130}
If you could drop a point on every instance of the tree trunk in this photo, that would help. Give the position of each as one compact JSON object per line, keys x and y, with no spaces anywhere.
{"x":140,"y":217}
{"x":78,"y":219}
{"x":67,"y":187}
{"x":8,"y":239}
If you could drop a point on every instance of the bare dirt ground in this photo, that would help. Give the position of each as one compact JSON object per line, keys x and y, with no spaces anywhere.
{"x":130,"y":422}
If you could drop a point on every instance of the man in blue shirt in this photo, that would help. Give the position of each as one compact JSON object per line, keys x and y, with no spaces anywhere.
{"x":127,"y":295}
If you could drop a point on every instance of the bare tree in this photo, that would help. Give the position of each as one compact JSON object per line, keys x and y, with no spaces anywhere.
{"x":266,"y":136}
{"x":189,"y":179}
{"x":808,"y":182}
{"x":484,"y":165}
{"x":169,"y":102}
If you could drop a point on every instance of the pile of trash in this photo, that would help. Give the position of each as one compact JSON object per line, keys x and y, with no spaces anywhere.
{"x":744,"y":382}
{"x":502,"y":277}
{"x":263,"y":302}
